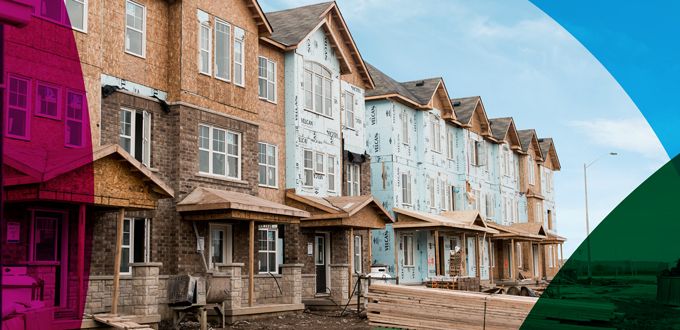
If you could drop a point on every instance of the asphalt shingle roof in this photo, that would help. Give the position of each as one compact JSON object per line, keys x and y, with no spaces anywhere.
{"x":292,"y":25}
{"x":500,"y":127}
{"x":417,"y":91}
{"x":465,"y":107}
{"x":545,"y":144}
{"x":422,"y":89}
{"x":525,"y":137}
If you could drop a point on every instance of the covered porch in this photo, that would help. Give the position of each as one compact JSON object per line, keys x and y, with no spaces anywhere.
{"x":336,"y":242}
{"x":248,"y":251}
{"x":552,"y":247}
{"x":517,"y":248}
{"x":51,"y":212}
{"x":443,"y":248}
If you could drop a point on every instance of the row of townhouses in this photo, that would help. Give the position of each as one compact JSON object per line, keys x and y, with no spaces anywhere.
{"x":258,"y":151}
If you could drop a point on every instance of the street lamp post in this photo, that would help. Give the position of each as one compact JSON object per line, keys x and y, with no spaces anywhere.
{"x":585,"y":186}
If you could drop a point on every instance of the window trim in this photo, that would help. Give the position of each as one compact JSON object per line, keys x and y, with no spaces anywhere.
{"x":210,"y":151}
{"x":146,"y":129}
{"x":406,"y":187}
{"x":357,"y":269}
{"x":408,"y":251}
{"x":38,"y":101}
{"x":227,"y":246}
{"x":269,"y":228}
{"x":520,"y":256}
{"x":268,"y":80}
{"x":26,"y":110}
{"x":435,"y":134}
{"x":405,"y":128}
{"x":431,"y":192}
{"x":330,"y":173}
{"x":531,"y":169}
{"x":82,"y":122}
{"x":324,"y":80}
{"x":450,"y":145}
{"x":353,"y":179}
{"x":131,"y":246}
{"x":143,"y":31}
{"x":85,"y":7}
{"x":242,"y":42}
{"x":319,"y":168}
{"x":305,"y":168}
{"x":228,"y":52}
{"x":350,"y":124}
{"x":267,"y":166}
{"x":209,"y":50}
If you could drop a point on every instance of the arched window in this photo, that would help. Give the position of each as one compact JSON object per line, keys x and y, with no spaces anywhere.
{"x":317,"y":85}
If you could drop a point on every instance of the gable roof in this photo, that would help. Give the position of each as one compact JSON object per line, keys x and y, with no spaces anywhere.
{"x":209,"y":199}
{"x":467,"y":220}
{"x":548,"y":149}
{"x":465,"y":108}
{"x":336,"y":207}
{"x":263,"y":25}
{"x":527,"y":137}
{"x":292,"y":26}
{"x":502,"y":127}
{"x":520,"y":232}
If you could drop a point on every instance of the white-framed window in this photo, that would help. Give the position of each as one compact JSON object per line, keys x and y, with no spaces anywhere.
{"x":538,"y":212}
{"x":477,"y":154}
{"x":135,"y":134}
{"x":550,"y":256}
{"x":357,"y":255}
{"x":490,"y":207}
{"x":135,"y":28}
{"x":442,"y":195}
{"x":219,"y":152}
{"x":74,"y":125}
{"x":239,"y":55}
{"x":319,"y":159}
{"x":435,"y":134}
{"x":17,"y":116}
{"x":267,"y":252}
{"x":267,"y":160}
{"x":317,"y":86}
{"x":404,"y":127}
{"x":47,"y":100}
{"x":266,"y":79}
{"x":477,"y":200}
{"x":220,"y":250}
{"x":222,"y":50}
{"x":450,"y":144}
{"x":353,"y":179}
{"x":135,"y":247}
{"x":45,"y":237}
{"x":349,"y":110}
{"x":204,"y":43}
{"x":406,"y":189}
{"x":330,"y":173}
{"x":520,"y":259}
{"x":407,"y":250}
{"x":531,"y":170}
{"x":548,"y":179}
{"x":77,"y":14}
{"x":308,"y":167}
{"x":430,"y":190}
{"x":452,"y":198}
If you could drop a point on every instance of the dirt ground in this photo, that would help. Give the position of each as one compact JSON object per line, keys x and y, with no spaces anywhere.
{"x":305,"y":321}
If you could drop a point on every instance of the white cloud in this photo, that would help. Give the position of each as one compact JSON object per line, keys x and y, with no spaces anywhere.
{"x":628,"y":134}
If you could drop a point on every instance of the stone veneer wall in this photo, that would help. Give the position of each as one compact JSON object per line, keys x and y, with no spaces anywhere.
{"x":266,"y":291}
{"x":308,"y":286}
{"x":100,"y":291}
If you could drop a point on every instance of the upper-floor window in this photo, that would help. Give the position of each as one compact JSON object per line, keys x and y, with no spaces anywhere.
{"x":435,"y":134}
{"x":406,"y":189}
{"x":135,"y":134}
{"x":538,"y":213}
{"x":451,"y":205}
{"x":47,"y":100}
{"x":77,"y":14}
{"x":268,"y":165}
{"x":531,"y":169}
{"x":267,"y":79}
{"x":490,"y":206}
{"x":239,"y":49}
{"x":317,"y":85}
{"x":219,"y":152}
{"x":135,"y":28}
{"x":430,"y":189}
{"x":267,"y":252}
{"x":17,"y":117}
{"x":330,"y":173}
{"x":74,"y":127}
{"x":349,"y":109}
{"x":353,"y":179}
{"x":319,"y":163}
{"x":404,"y":127}
{"x":477,"y":153}
{"x":73,"y":13}
{"x":450,"y":144}
{"x":222,"y":50}
{"x":204,"y":43}
{"x":308,"y":168}
{"x":442,"y":195}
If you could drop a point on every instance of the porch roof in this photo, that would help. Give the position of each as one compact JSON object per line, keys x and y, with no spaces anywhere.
{"x":342,"y":211}
{"x":520,"y":231}
{"x":462,"y":220}
{"x":554,"y":238}
{"x":214,"y":204}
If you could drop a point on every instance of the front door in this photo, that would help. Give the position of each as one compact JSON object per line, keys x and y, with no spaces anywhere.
{"x":49,"y":250}
{"x":320,"y":263}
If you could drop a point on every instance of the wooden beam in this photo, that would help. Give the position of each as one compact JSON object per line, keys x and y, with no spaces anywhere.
{"x":436,"y":252}
{"x":463,"y":254}
{"x":81,"y":258}
{"x":116,"y":262}
{"x":513,"y":262}
{"x":370,"y":249}
{"x":478,"y":271}
{"x":251,"y":262}
{"x":396,"y":254}
{"x":350,"y":269}
{"x":492,"y":266}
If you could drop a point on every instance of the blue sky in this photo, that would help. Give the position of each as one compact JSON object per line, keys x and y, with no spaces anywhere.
{"x":524,"y":65}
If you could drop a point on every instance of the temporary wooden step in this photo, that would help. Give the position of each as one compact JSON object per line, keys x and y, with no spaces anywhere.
{"x":120,"y":322}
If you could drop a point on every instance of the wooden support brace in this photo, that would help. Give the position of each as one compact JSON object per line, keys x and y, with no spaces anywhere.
{"x":116,"y":262}
{"x":251,"y":262}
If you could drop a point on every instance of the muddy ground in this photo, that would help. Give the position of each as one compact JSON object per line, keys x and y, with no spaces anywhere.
{"x":305,"y":321}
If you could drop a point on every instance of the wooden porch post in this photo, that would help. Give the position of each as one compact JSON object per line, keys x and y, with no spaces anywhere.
{"x":561,"y":256}
{"x":370,"y":249}
{"x":533,"y":270}
{"x":436,"y":252}
{"x":81,"y":258}
{"x":492,"y":266}
{"x":116,"y":262}
{"x":350,"y":269}
{"x":463,"y":254}
{"x":251,"y":261}
{"x":477,"y":256}
{"x":513,"y":262}
{"x":396,"y":255}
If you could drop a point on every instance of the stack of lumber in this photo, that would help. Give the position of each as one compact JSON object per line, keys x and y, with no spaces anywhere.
{"x":394,"y":306}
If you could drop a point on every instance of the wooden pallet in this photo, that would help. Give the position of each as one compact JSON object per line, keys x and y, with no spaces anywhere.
{"x":120,"y":322}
